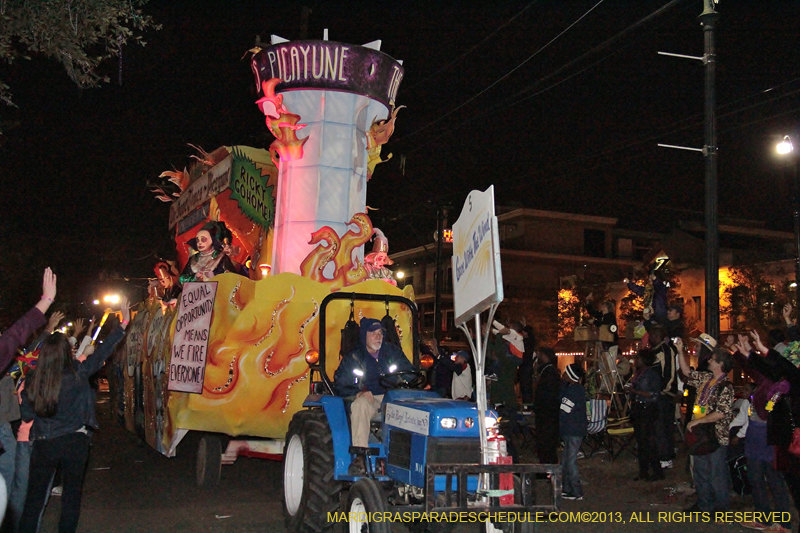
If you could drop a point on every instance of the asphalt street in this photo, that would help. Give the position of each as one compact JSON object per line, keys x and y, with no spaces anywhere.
{"x":131,"y":488}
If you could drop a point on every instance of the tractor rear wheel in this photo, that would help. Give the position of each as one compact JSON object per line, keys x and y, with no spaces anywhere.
{"x":310,"y":491}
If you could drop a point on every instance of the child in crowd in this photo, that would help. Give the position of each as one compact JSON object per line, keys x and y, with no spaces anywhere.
{"x":573,"y":424}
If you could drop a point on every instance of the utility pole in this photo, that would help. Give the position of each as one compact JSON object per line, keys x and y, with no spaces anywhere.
{"x":304,"y":22}
{"x":708,"y":19}
{"x":442,"y":212}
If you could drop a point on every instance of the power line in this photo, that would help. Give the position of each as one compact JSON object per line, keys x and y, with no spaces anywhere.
{"x":465,"y":54}
{"x":520,"y":65}
{"x":506,"y":104}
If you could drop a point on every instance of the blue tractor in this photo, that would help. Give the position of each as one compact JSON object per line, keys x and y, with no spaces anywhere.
{"x":424,"y":457}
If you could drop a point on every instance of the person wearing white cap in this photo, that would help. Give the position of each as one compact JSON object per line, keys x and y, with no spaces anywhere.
{"x":704,"y":345}
{"x":572,"y":426}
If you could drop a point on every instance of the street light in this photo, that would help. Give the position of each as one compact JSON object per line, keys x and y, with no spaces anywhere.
{"x":786,"y":148}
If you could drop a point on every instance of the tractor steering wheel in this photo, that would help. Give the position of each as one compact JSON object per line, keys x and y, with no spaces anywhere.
{"x":387,"y":381}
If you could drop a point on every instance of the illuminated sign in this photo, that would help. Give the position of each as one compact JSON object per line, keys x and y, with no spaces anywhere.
{"x":448,"y":235}
{"x":330,"y":65}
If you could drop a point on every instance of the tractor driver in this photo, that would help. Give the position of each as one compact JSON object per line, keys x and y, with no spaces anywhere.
{"x":358,"y":380}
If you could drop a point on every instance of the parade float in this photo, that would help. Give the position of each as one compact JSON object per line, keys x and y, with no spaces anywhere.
{"x":223,"y":354}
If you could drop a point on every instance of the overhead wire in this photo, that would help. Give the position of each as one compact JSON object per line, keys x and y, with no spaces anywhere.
{"x":506,"y":75}
{"x":626,"y":144}
{"x":475,"y":47}
{"x":505,"y":104}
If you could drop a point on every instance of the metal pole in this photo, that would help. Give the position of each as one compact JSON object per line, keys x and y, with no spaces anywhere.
{"x":707,"y":19}
{"x":437,"y":302}
{"x":793,"y":162}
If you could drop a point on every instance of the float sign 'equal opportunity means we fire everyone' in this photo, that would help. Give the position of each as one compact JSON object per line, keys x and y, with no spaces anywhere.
{"x":187,"y":366}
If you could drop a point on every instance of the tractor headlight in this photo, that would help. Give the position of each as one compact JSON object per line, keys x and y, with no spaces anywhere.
{"x":448,"y":423}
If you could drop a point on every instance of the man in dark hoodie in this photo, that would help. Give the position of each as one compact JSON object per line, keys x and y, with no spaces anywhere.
{"x":358,"y":380}
{"x":546,"y":407}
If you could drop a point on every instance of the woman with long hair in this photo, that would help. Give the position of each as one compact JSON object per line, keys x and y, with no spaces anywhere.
{"x":59,"y":400}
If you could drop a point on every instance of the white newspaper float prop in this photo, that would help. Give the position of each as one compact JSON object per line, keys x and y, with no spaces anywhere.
{"x":477,"y":283}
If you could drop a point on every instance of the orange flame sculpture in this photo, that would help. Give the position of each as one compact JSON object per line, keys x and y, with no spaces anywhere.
{"x":282,"y":124}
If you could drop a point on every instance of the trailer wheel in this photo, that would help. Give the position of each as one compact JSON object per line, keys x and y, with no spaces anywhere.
{"x":366,"y":497}
{"x":209,"y":461}
{"x":310,"y":491}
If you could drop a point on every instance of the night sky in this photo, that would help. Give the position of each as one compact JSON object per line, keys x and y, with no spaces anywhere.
{"x":558,"y":113}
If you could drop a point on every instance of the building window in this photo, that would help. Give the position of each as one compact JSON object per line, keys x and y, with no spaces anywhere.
{"x":447,"y":280}
{"x":594,"y":242}
{"x":698,"y":308}
{"x":625,"y":248}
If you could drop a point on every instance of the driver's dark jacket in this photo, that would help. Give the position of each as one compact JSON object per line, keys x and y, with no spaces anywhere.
{"x":347,"y":383}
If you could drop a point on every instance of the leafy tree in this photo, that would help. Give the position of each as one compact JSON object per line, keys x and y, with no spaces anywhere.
{"x":80,"y":34}
{"x":751,"y":300}
{"x":569,"y":311}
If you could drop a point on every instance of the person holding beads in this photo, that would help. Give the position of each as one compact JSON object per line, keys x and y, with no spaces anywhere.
{"x":713,"y":406}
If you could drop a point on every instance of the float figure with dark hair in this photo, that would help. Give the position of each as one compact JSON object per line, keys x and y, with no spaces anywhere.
{"x":210,"y":258}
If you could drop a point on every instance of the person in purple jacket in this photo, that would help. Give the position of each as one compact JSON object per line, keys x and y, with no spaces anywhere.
{"x":18,"y":333}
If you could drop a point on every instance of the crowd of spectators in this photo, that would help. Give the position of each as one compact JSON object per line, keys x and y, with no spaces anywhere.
{"x":47,"y":412}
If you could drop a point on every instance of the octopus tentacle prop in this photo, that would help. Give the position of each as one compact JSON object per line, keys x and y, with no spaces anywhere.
{"x":316,"y":261}
{"x":348,"y":270}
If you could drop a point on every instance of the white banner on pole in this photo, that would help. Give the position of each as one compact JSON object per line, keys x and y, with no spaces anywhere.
{"x":477,"y":275}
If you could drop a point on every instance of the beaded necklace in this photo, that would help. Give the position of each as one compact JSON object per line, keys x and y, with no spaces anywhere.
{"x":708,"y":389}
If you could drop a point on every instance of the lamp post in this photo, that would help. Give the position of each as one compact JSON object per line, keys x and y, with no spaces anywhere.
{"x":786,"y":148}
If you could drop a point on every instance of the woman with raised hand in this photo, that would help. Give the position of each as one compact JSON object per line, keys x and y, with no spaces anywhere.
{"x":59,"y":400}
{"x":18,"y":333}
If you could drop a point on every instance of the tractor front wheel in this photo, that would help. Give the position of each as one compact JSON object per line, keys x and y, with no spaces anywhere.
{"x":366,"y":500}
{"x":310,"y":491}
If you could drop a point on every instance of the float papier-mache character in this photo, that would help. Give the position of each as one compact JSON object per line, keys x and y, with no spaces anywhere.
{"x":211,"y":258}
{"x":375,"y":262}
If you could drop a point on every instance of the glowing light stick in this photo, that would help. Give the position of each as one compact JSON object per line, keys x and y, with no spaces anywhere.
{"x":100,"y":326}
